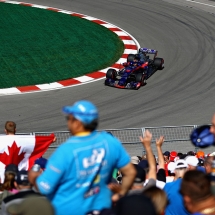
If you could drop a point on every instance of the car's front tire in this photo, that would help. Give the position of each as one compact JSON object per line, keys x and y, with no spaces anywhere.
{"x":140,"y":78}
{"x":111,"y":73}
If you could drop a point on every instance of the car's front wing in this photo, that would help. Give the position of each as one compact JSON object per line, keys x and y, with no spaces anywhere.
{"x":114,"y":83}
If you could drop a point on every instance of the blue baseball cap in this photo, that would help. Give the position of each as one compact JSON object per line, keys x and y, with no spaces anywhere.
{"x":202,"y":137}
{"x":166,"y":153}
{"x":83,"y":111}
{"x":42,"y":162}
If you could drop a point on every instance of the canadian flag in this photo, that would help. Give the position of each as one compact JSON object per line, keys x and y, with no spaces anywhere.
{"x":22,"y":150}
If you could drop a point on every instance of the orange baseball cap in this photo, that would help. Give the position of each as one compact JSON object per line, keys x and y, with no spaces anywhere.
{"x":200,"y":154}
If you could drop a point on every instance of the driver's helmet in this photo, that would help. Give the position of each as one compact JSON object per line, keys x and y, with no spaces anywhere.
{"x":137,"y":58}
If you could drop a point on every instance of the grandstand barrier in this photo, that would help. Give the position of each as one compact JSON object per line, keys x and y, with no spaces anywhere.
{"x":177,"y":138}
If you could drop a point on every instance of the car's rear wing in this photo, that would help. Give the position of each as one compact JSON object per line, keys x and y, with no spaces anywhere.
{"x":148,"y":51}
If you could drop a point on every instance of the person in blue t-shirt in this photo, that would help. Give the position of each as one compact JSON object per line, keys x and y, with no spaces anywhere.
{"x":197,"y":193}
{"x":78,"y":172}
{"x":176,"y":205}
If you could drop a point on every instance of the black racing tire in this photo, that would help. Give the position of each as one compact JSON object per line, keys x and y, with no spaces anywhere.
{"x":159,"y":63}
{"x":139,"y":77}
{"x":130,"y":57}
{"x":111,"y":73}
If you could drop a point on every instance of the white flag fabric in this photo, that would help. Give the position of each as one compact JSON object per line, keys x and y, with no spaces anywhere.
{"x":22,"y":150}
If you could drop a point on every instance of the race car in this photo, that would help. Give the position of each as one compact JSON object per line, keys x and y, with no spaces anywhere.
{"x":138,"y":68}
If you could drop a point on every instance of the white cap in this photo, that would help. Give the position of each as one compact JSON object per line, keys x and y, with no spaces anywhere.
{"x":192,"y":160}
{"x":212,"y":154}
{"x":180,"y":164}
{"x":135,"y":160}
{"x":171,"y":167}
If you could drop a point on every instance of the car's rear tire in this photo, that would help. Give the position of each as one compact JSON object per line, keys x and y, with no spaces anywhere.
{"x":111,"y":73}
{"x":130,"y":57}
{"x":159,"y":63}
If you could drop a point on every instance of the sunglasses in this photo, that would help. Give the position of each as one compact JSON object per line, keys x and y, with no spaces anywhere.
{"x":70,"y":118}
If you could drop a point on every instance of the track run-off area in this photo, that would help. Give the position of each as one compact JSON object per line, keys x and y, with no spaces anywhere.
{"x":181,"y":94}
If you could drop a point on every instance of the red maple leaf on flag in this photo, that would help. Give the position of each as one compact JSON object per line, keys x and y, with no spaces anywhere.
{"x":13,"y":157}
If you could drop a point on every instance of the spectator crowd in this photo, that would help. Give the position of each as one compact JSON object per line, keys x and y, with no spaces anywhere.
{"x":92,"y":174}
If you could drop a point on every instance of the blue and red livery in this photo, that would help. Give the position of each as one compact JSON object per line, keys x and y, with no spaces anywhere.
{"x":138,"y":68}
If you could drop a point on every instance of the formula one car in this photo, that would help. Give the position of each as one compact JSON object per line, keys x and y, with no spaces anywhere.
{"x":138,"y":68}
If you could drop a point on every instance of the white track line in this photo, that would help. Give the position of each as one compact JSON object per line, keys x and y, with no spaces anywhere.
{"x":201,"y":3}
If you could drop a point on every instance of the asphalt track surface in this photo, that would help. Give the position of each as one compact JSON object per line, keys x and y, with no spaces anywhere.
{"x":182,"y":94}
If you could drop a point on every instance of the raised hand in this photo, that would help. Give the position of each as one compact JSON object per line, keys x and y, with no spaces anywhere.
{"x":146,"y":140}
{"x":160,"y":141}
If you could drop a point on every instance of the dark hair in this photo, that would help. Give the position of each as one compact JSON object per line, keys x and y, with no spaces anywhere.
{"x":10,"y":127}
{"x":92,"y":126}
{"x":179,"y":154}
{"x":9,"y":181}
{"x":183,"y":156}
{"x":191,"y":153}
{"x":196,"y":185}
{"x":158,"y":197}
{"x":139,"y":157}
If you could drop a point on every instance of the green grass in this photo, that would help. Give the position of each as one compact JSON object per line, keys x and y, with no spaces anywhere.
{"x":39,"y":46}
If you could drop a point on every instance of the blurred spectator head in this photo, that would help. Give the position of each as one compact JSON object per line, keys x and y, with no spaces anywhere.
{"x":42,"y":162}
{"x":200,"y":154}
{"x":135,"y":205}
{"x":212,"y":128}
{"x":144,"y":165}
{"x":135,"y":160}
{"x":195,"y":189}
{"x":208,"y":163}
{"x":166,"y":155}
{"x":10,"y":173}
{"x":179,"y":154}
{"x":10,"y":128}
{"x":139,"y":178}
{"x":173,"y":155}
{"x":158,"y":198}
{"x":192,"y":153}
{"x":183,"y":156}
{"x":82,"y":116}
{"x":32,"y":205}
{"x":192,"y":162}
{"x":21,"y":179}
{"x":11,"y":168}
{"x":180,"y":168}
